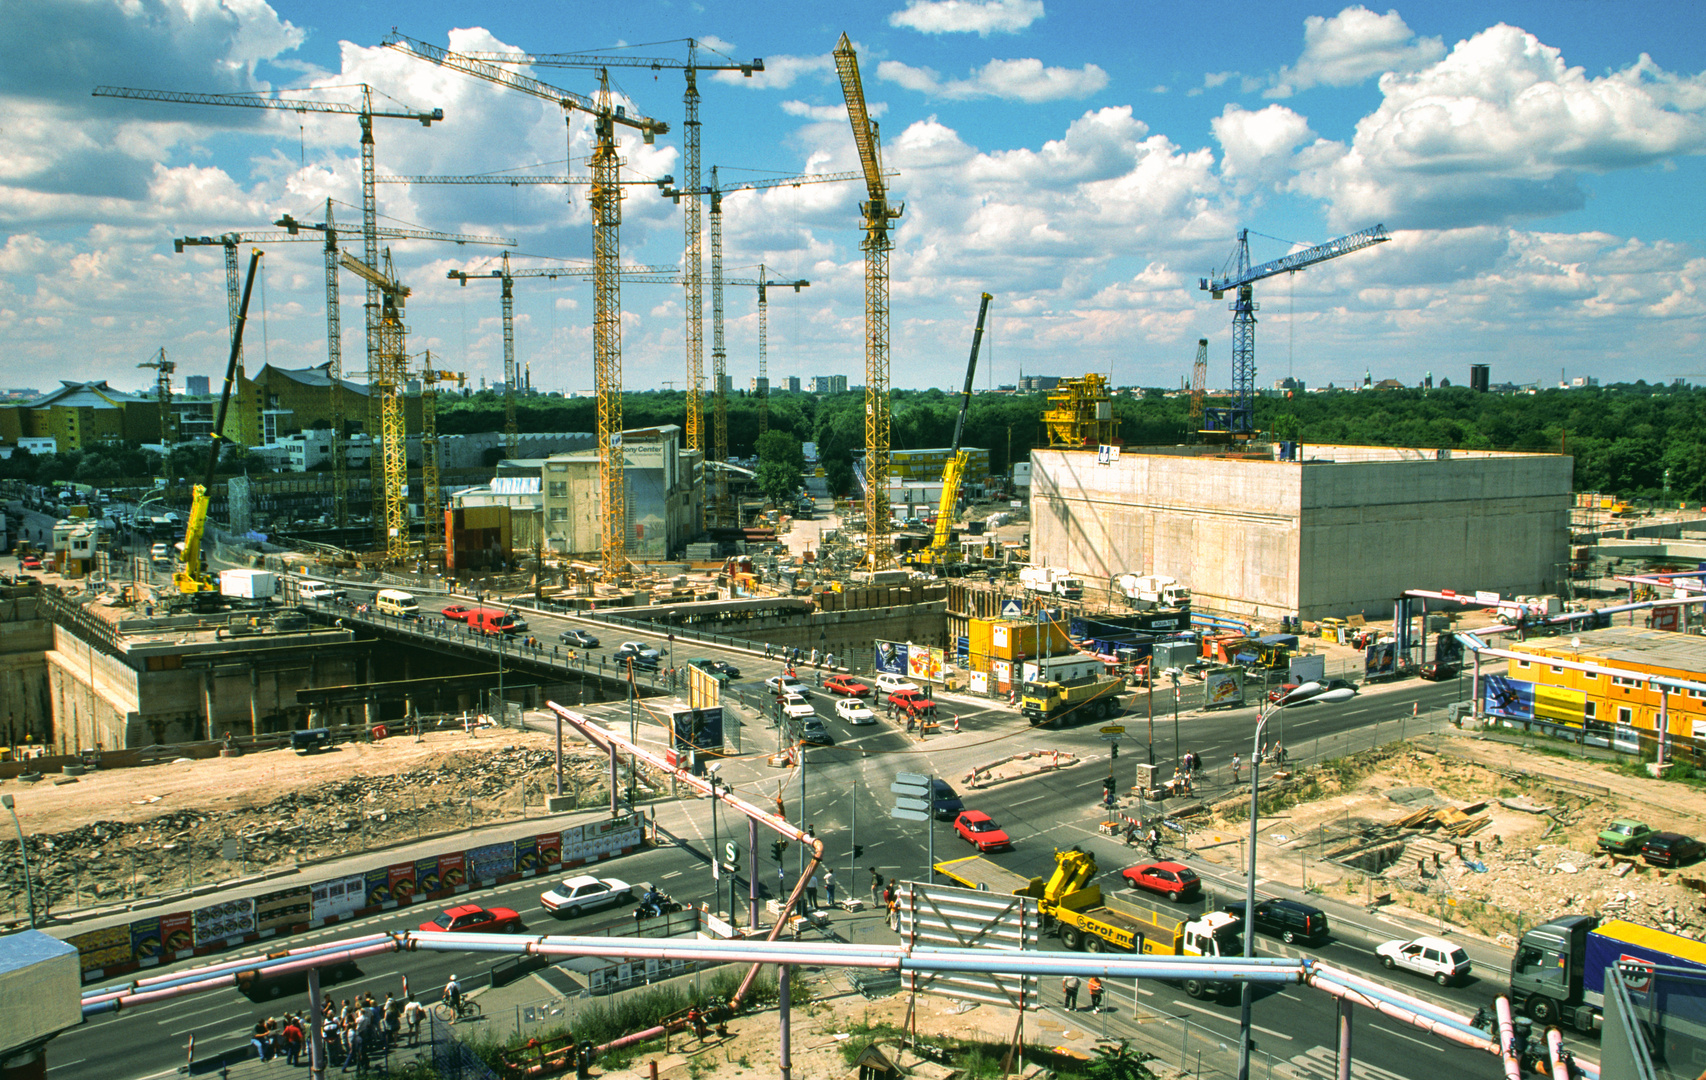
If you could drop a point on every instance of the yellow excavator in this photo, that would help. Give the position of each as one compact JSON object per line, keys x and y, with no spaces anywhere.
{"x":939,"y":554}
{"x":191,"y":579}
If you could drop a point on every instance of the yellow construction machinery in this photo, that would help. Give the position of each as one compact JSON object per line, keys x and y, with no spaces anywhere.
{"x":940,"y":554}
{"x":1080,"y":414}
{"x":385,"y":384}
{"x":878,"y":212}
{"x":191,"y":577}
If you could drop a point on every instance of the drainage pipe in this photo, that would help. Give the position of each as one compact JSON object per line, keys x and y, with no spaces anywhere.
{"x":155,"y":982}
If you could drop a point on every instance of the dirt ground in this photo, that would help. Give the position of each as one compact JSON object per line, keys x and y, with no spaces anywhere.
{"x":117,"y":835}
{"x":1534,"y":857}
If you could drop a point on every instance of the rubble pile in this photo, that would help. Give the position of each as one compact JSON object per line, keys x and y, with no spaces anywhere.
{"x":108,"y":861}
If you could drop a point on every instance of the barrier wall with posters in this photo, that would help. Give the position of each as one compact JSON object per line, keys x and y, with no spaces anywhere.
{"x":160,"y":939}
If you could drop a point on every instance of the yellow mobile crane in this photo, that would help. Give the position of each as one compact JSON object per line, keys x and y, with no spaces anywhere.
{"x":939,"y":554}
{"x":191,"y":577}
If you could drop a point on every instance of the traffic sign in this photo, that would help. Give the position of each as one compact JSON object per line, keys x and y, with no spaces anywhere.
{"x":909,"y":815}
{"x":1113,"y":729}
{"x":912,"y":804}
{"x":912,"y":778}
{"x":731,"y":852}
{"x":1012,"y":609}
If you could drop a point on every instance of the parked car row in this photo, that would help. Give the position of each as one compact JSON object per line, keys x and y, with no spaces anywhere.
{"x":1627,"y":836}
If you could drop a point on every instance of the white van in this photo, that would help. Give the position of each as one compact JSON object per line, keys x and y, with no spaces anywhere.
{"x":397,"y":602}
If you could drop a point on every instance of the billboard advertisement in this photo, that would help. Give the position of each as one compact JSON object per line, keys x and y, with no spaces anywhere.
{"x":1510,"y":698}
{"x":891,"y":657}
{"x":1560,"y":704}
{"x":924,"y":662}
{"x":1223,"y":688}
{"x":1380,"y":659}
{"x":700,"y":729}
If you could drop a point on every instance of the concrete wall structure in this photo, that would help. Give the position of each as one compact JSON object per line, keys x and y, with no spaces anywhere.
{"x":1343,"y":530}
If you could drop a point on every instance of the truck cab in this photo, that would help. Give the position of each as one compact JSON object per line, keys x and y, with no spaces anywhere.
{"x":1546,"y":973}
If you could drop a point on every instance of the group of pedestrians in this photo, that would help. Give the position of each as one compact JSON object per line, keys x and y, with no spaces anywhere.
{"x":354,"y":1031}
{"x":1069,"y":993}
{"x":797,"y":655}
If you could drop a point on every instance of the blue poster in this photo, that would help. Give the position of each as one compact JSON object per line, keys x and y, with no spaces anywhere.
{"x":891,"y":657}
{"x":1510,"y":698}
{"x":700,"y":729}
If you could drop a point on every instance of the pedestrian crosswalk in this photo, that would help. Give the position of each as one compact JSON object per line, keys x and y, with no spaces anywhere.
{"x":1322,"y":1063}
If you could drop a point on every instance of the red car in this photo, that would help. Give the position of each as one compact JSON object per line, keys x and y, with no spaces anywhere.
{"x":979,"y":829}
{"x":913,"y":703}
{"x":30,"y":562}
{"x":846,"y":684}
{"x":474,"y":919}
{"x":1175,"y":881}
{"x":458,"y":613}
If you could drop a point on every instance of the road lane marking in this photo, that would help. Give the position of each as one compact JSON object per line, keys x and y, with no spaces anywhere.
{"x":177,"y":1016}
{"x":1034,"y":798}
{"x":671,"y":874}
{"x":63,"y":1064}
{"x":1271,"y":1031}
{"x":204,"y":1027}
{"x":1406,"y":1038}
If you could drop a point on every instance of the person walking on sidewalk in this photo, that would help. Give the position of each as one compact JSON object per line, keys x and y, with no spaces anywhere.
{"x":1095,"y":994}
{"x":811,"y":892}
{"x":829,"y":886}
{"x":1237,"y":764}
{"x":1069,"y":992}
{"x":876,"y":888}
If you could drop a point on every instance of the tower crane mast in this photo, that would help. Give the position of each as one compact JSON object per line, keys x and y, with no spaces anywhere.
{"x":1238,"y":420}
{"x":692,"y":273}
{"x":878,"y":213}
{"x":385,"y":384}
{"x":432,"y":500}
{"x":1199,"y":385}
{"x":606,"y":203}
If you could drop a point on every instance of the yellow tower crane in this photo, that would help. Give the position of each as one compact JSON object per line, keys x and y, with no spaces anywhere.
{"x":385,"y":386}
{"x":432,"y":501}
{"x":878,"y":213}
{"x":606,"y":203}
{"x":1199,"y":387}
{"x":692,"y":276}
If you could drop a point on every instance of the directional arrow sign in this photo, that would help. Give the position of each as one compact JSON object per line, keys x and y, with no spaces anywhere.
{"x":911,"y":804}
{"x":909,"y":815}
{"x":1012,"y":609}
{"x":1114,"y":729}
{"x":912,"y":778}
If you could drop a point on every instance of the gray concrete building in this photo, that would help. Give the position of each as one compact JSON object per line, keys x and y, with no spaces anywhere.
{"x":1338,"y":530}
{"x":665,"y":496}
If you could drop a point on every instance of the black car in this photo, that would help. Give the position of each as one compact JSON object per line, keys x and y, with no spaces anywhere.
{"x":947,"y":801}
{"x":812,"y":732}
{"x":580,"y":639}
{"x":722,"y":669}
{"x":1671,"y":849}
{"x":1287,"y":920}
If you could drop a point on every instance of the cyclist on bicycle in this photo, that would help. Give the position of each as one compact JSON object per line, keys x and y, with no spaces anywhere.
{"x":453,"y":995}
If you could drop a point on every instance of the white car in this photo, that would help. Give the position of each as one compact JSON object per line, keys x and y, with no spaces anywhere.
{"x":585,"y":893}
{"x":893,"y":684}
{"x":785,"y":685}
{"x":1442,"y":961}
{"x":796,"y":707}
{"x":855,"y":711}
{"x":315,"y":590}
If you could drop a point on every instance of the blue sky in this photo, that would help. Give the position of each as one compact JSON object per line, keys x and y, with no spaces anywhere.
{"x":1539,"y":167}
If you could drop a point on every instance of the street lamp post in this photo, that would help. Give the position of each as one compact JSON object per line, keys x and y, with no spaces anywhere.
{"x":1247,"y":992}
{"x":24,"y":857}
{"x":1174,"y":673}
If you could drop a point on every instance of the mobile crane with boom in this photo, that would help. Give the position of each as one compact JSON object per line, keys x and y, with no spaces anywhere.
{"x":191,"y":578}
{"x":939,"y":554}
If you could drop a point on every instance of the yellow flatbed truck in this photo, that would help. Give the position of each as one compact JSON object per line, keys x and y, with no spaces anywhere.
{"x":1086,"y":919}
{"x":985,"y":875}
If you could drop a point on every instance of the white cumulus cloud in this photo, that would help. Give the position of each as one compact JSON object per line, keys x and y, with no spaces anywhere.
{"x":1351,"y":46}
{"x":1016,"y":80}
{"x":980,"y":17}
{"x":1500,"y":131}
{"x":1258,"y":146}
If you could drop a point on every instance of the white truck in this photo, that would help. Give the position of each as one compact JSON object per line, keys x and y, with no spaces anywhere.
{"x":248,"y":584}
{"x":1052,"y":580}
{"x":1147,"y":591}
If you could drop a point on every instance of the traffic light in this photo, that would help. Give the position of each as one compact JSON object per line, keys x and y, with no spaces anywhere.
{"x":776,"y":850}
{"x":858,"y":850}
{"x":1108,"y":784}
{"x":1116,"y":756}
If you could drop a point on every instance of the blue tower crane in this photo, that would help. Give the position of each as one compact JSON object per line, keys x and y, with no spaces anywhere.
{"x":1238,"y":421}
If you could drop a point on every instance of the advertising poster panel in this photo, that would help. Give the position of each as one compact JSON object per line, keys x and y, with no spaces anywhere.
{"x":550,"y":848}
{"x":491,"y":861}
{"x":145,"y":942}
{"x":1510,"y":698}
{"x":527,"y":855}
{"x":281,"y":910}
{"x":377,"y":887}
{"x":402,"y":882}
{"x":891,"y":657}
{"x":1222,"y":688}
{"x":453,"y":870}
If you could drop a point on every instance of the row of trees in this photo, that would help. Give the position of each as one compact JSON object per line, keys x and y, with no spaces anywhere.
{"x":1639,"y":440}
